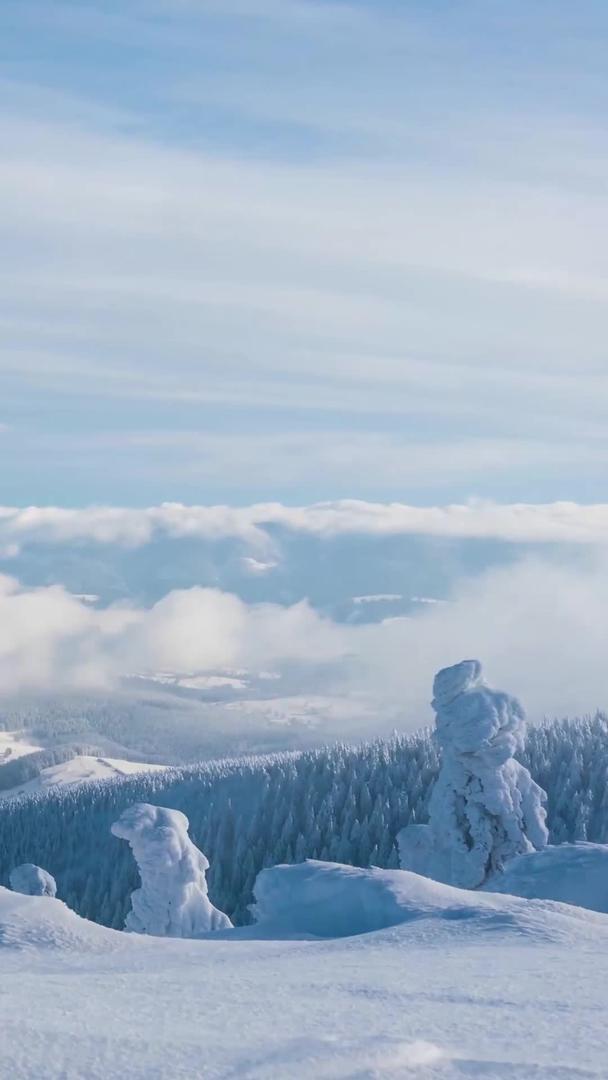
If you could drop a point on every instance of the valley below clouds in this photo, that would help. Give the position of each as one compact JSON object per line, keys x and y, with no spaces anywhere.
{"x":323,"y":621}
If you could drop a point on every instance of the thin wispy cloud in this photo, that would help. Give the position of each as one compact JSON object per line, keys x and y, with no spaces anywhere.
{"x":286,"y":268}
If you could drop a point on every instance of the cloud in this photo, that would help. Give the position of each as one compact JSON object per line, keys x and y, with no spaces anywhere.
{"x":538,"y":627}
{"x":560,"y":522}
{"x":267,"y":272}
{"x":256,"y":567}
{"x":53,"y":640}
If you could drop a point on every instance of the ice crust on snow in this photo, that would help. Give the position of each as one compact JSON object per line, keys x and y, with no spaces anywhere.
{"x":32,"y":880}
{"x":172,"y":900}
{"x":485,"y":807}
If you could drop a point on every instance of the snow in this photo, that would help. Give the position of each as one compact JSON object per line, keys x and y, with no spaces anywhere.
{"x":30,"y":924}
{"x":572,"y":873}
{"x":79,"y":770}
{"x":172,"y":900}
{"x":333,"y":900}
{"x":212,"y":682}
{"x":32,"y":880}
{"x":471,"y":985}
{"x":485,"y":807}
{"x":307,"y":710}
{"x":377,"y":598}
{"x":256,"y":566}
{"x":16,"y":744}
{"x":195,"y":680}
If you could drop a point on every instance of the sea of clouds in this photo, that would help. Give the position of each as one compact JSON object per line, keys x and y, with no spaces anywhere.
{"x":538,"y":618}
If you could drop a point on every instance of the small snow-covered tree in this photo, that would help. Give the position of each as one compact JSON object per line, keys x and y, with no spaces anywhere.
{"x":485,"y":807}
{"x":172,"y":900}
{"x":32,"y":880}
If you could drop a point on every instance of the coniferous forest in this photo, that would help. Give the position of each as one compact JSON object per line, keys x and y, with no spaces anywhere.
{"x":339,"y":803}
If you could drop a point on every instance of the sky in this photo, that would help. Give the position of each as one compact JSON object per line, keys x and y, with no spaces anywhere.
{"x":291,"y":250}
{"x":302,"y":301}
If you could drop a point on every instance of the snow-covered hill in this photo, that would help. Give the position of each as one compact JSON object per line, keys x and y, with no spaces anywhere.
{"x":471,"y":985}
{"x":79,"y":770}
{"x":337,"y":803}
{"x":16,"y":744}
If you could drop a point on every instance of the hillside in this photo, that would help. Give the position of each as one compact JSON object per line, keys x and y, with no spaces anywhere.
{"x":80,"y":769}
{"x":340,"y":803}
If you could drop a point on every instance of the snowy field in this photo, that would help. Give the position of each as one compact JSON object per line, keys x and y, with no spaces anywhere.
{"x":15,"y":744}
{"x":79,"y":770}
{"x":470,"y":985}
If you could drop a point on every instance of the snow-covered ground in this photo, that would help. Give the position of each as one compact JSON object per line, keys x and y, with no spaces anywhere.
{"x":320,"y":711}
{"x":79,"y":770}
{"x":16,"y":744}
{"x":572,"y":873}
{"x":471,"y":985}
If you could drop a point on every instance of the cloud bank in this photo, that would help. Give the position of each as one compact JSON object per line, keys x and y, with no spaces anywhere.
{"x":540,"y":629}
{"x":559,"y":522}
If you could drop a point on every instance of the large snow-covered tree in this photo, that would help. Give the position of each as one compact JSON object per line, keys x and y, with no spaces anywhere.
{"x":172,"y":900}
{"x":485,"y":807}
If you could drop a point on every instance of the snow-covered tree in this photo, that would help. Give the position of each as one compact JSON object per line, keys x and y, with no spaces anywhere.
{"x":172,"y":900}
{"x":485,"y":807}
{"x":320,"y":791}
{"x":32,"y":880}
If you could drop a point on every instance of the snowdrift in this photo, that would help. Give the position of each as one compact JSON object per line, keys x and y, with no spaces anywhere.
{"x":32,"y":880}
{"x":569,"y":873}
{"x":330,"y":900}
{"x":40,"y":922}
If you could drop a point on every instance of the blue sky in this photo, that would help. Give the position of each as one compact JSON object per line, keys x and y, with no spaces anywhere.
{"x":276,"y":249}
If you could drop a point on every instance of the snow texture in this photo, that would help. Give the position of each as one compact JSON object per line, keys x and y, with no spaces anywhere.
{"x":172,"y":900}
{"x":331,"y":900}
{"x":32,"y":880}
{"x":29,"y":923}
{"x":469,"y":985}
{"x":485,"y":807}
{"x":571,"y":873}
{"x":81,"y":769}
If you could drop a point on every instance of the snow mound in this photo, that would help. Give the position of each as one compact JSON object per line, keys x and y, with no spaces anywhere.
{"x":172,"y":900}
{"x":32,"y":880}
{"x":332,"y":900}
{"x":569,"y":873}
{"x":41,"y":922}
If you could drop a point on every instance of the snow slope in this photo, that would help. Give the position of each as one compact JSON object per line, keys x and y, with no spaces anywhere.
{"x":333,"y":900}
{"x":16,"y":744}
{"x":471,"y":985}
{"x":572,"y":873}
{"x":78,"y":770}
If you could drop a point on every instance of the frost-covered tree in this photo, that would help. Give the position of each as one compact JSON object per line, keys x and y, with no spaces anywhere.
{"x":232,"y":809}
{"x":172,"y":900}
{"x":485,"y":807}
{"x":32,"y":880}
